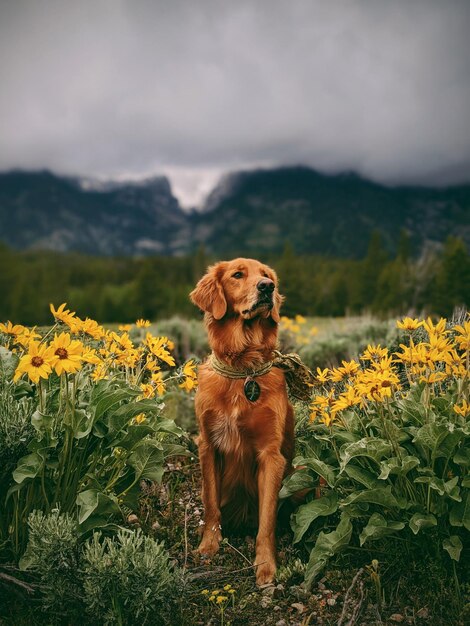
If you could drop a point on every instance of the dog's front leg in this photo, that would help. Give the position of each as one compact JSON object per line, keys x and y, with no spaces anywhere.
{"x":271,"y":466}
{"x":211,"y":535}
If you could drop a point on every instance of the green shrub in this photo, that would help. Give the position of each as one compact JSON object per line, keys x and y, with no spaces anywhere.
{"x":390,"y":437}
{"x":129,"y":579}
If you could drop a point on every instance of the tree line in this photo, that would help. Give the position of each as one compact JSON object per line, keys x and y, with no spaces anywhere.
{"x":114,"y":289}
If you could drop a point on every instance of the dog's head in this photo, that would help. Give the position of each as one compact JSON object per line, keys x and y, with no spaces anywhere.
{"x":243,"y":287}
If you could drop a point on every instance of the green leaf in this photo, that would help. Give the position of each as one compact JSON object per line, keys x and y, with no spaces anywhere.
{"x":8,"y":363}
{"x":397,"y":466}
{"x":382,"y":496}
{"x":326,"y":546}
{"x":299,"y":480}
{"x":28,"y":466}
{"x":95,"y":509}
{"x":168,"y":426}
{"x":362,"y":476}
{"x":147,"y":460}
{"x":462,"y":457}
{"x":174,"y":449}
{"x":322,"y":469}
{"x":441,"y":439}
{"x":106,"y":395}
{"x":454,"y":546}
{"x":437,"y":484}
{"x":422,"y":520}
{"x":370,"y":447}
{"x":378,"y":527}
{"x":460,"y":513}
{"x":307,"y":513}
{"x":452,"y":489}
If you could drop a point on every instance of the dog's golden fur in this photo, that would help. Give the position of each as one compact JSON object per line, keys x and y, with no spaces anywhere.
{"x":245,"y":448}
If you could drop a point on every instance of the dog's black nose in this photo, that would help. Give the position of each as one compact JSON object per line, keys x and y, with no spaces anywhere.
{"x":265,"y":285}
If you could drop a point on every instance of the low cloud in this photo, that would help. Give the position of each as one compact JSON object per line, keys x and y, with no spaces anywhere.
{"x":117,"y":87}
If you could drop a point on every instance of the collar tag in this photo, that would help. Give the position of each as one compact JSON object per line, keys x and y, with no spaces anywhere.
{"x":252,"y":389}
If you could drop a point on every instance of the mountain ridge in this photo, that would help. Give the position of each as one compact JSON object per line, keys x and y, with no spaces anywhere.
{"x":249,"y":212}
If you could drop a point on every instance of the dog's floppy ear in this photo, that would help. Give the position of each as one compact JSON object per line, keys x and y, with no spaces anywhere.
{"x":208,"y":294}
{"x":275,"y":311}
{"x":278,"y":299}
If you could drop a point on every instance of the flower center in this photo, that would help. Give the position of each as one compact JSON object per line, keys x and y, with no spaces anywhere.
{"x":61,"y":353}
{"x":37,"y":361}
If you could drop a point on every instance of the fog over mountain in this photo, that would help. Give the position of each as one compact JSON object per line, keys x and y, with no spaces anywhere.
{"x":124,"y":88}
{"x":249,"y":213}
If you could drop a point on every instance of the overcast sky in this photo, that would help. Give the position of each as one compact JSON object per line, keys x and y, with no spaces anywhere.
{"x":194,"y":88}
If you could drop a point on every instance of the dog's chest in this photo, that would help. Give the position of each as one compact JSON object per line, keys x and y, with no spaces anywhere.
{"x":225,"y":435}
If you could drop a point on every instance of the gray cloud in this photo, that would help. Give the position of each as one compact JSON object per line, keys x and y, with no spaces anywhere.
{"x":130,"y":87}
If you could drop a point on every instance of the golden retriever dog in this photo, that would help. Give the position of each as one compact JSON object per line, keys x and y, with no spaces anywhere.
{"x":245,"y":420}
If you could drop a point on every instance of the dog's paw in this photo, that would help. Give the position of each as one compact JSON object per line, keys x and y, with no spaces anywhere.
{"x":265,"y":572}
{"x":210,"y":542}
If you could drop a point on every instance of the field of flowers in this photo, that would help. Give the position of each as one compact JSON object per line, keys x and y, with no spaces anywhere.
{"x":99,"y":484}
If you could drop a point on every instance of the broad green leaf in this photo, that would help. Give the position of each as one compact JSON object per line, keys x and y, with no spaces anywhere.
{"x":147,"y":460}
{"x":378,"y":527}
{"x":466,"y":482}
{"x":107,"y":395}
{"x":326,"y":546}
{"x":370,"y":447}
{"x":440,"y":439}
{"x":435,"y":483}
{"x":120,"y":417}
{"x":29,"y":466}
{"x":422,"y":520}
{"x":42,"y":423}
{"x":307,"y":513}
{"x":382,"y":496}
{"x":299,"y":480}
{"x":452,"y":489}
{"x":397,"y":466}
{"x":362,"y":476}
{"x":322,"y":469}
{"x":95,"y":509}
{"x":460,"y":513}
{"x":462,"y":457}
{"x":453,"y":545}
{"x":8,"y":363}
{"x":174,"y":449}
{"x":82,"y":424}
{"x":168,"y":426}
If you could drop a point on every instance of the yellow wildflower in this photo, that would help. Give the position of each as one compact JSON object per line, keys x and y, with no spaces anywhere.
{"x":13,"y":330}
{"x":27,"y":335}
{"x":37,"y":363}
{"x":125,"y":327}
{"x":141,"y":323}
{"x":300,"y":319}
{"x":409,"y":324}
{"x":188,"y":384}
{"x":322,"y":375}
{"x":463,"y":409}
{"x":435,"y":329}
{"x":433,"y":377}
{"x":189,"y":368}
{"x":138,"y":419}
{"x":348,"y":368}
{"x":89,"y":356}
{"x":157,"y":346}
{"x":157,"y":380}
{"x":462,"y":337}
{"x":148,"y":390}
{"x":92,"y":328}
{"x":61,"y":314}
{"x":67,"y":354}
{"x":374,"y":353}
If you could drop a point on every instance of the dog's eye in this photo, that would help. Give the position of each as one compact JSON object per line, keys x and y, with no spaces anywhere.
{"x":237,"y":275}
